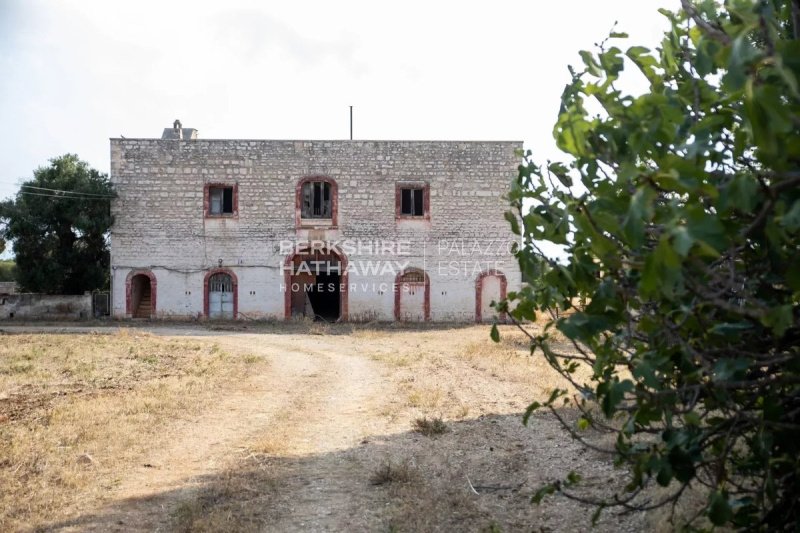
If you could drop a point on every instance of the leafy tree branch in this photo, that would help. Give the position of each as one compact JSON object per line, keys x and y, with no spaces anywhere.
{"x":679,"y":210}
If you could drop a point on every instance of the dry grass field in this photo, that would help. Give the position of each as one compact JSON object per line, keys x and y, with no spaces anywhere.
{"x":302,"y":427}
{"x":77,"y":410}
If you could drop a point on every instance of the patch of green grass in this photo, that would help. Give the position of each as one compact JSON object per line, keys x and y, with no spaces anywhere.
{"x":148,"y":358}
{"x":20,"y":367}
{"x":252,"y":358}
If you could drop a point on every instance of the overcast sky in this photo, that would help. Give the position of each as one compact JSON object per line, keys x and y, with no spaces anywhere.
{"x":74,"y":73}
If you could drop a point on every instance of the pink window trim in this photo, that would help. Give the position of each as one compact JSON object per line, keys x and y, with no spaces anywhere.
{"x":398,"y":200}
{"x":298,"y":204}
{"x":207,"y":200}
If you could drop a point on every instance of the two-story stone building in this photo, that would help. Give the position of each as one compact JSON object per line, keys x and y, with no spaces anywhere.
{"x":343,"y":230}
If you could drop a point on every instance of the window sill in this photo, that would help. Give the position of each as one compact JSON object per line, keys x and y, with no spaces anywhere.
{"x":312,"y":223}
{"x":412,"y":218}
{"x":223,"y":216}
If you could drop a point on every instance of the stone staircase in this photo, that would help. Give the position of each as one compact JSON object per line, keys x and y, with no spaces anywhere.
{"x":143,"y":311}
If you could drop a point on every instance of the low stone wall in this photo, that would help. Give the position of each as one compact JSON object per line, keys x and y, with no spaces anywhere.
{"x":8,"y":287}
{"x":45,"y":306}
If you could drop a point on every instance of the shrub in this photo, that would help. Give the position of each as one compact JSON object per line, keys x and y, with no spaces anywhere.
{"x":679,"y":216}
{"x":430,"y":427}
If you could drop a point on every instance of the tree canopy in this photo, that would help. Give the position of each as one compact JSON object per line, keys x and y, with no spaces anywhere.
{"x":679,"y":213}
{"x":58,"y":223}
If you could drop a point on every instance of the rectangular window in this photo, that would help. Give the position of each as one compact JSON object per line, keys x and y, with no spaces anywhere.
{"x":220,"y":200}
{"x":317,"y":202}
{"x":412,"y":202}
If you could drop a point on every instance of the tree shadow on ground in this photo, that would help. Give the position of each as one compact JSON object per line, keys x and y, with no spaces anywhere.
{"x":477,"y":476}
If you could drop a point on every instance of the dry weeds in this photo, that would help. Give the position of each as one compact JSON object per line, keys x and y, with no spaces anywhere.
{"x":429,"y":426}
{"x":80,"y":409}
{"x":330,"y":446}
{"x":393,"y":472}
{"x":222,"y":508}
{"x":431,"y":379}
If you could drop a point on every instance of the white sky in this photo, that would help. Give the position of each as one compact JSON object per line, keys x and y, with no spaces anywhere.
{"x":74,"y":73}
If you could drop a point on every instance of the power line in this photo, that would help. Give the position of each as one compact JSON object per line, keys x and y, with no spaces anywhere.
{"x":64,"y":197}
{"x":67,"y":192}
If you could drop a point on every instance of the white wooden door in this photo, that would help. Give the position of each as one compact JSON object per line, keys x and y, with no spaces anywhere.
{"x":412,"y":302}
{"x":490,"y":292}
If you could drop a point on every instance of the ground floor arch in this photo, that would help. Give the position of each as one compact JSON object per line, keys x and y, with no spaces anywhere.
{"x":316,"y":284}
{"x":221,"y":294}
{"x":412,"y":296}
{"x":141,"y":290}
{"x":490,"y":287}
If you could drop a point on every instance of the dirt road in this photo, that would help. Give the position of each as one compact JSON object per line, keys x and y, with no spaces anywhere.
{"x":322,"y":440}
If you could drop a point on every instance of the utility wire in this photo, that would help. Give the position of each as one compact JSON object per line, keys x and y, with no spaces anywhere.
{"x":64,"y":197}
{"x":67,"y":192}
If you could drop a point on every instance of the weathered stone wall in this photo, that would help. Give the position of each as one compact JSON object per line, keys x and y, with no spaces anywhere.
{"x":8,"y":287}
{"x":160,"y":224}
{"x":45,"y":306}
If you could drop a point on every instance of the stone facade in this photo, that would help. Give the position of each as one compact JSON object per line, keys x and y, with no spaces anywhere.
{"x":166,"y":237}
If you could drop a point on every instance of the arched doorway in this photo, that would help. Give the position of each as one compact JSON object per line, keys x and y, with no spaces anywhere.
{"x":140,"y":294}
{"x":315,"y":283}
{"x":221,"y":295}
{"x":412,"y":296}
{"x":489,"y":287}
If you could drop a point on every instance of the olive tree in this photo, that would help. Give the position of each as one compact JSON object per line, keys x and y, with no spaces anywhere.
{"x":678,"y":211}
{"x":58,"y":223}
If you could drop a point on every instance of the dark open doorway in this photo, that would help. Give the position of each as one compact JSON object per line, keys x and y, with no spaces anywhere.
{"x":325,"y":296}
{"x":141,"y":296}
{"x":315,"y":285}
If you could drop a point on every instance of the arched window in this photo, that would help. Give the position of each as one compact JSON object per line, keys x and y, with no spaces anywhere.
{"x":413,"y":276}
{"x":316,"y":202}
{"x":220,"y":282}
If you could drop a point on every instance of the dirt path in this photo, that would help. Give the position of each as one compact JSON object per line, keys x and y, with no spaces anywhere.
{"x":295,"y":447}
{"x":318,"y":398}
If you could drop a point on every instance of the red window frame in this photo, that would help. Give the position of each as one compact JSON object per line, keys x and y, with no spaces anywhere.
{"x":426,"y":200}
{"x":332,"y":222}
{"x":207,"y":200}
